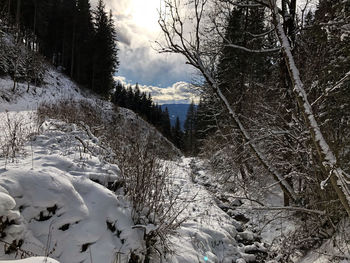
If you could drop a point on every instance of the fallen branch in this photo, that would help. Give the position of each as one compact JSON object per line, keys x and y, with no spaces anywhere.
{"x":289,"y":208}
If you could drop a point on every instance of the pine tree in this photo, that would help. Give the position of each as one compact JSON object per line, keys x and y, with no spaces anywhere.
{"x":165,"y":123}
{"x":189,"y":126}
{"x":83,"y":43}
{"x":334,"y":109}
{"x":178,"y":135}
{"x":239,"y":72}
{"x":205,"y":125}
{"x":105,"y":61}
{"x":136,"y":102}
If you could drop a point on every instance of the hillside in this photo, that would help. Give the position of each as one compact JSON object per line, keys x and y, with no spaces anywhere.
{"x":60,"y":194}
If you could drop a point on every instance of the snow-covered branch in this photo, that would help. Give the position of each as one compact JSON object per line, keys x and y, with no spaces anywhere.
{"x":335,"y":87}
{"x":254,"y":50}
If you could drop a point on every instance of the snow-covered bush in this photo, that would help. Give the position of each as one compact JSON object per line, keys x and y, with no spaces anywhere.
{"x":147,"y":183}
{"x":16,"y":131}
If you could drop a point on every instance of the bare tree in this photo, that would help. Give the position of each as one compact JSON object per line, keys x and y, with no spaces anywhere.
{"x":192,"y":47}
{"x":172,"y":24}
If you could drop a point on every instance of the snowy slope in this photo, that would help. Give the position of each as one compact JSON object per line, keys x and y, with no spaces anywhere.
{"x":50,"y":193}
{"x":56,"y":87}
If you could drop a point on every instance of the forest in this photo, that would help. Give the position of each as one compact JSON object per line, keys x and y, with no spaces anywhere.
{"x":276,"y":88}
{"x":78,"y":40}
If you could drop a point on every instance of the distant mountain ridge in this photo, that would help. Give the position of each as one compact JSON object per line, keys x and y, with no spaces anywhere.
{"x":177,"y":110}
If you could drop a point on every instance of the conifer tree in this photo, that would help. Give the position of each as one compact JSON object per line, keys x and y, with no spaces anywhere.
{"x":177,"y":135}
{"x":189,"y":126}
{"x":239,"y":71}
{"x":83,"y":43}
{"x":165,"y":123}
{"x":105,"y":62}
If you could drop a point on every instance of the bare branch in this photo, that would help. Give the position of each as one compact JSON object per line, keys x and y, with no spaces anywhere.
{"x":336,"y":86}
{"x":289,"y":208}
{"x":254,"y":50}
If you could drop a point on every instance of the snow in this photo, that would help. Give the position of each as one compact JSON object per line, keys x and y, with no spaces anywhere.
{"x":56,"y":87}
{"x":32,"y":260}
{"x":57,"y":196}
{"x":209,"y":231}
{"x":61,"y":208}
{"x":7,"y":203}
{"x":332,"y":250}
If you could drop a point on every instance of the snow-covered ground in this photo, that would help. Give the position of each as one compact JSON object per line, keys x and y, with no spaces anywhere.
{"x":209,"y":233}
{"x":57,"y":208}
{"x":32,"y":260}
{"x":55,"y":199}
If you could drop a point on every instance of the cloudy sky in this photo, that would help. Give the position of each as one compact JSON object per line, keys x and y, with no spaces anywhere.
{"x":164,"y":75}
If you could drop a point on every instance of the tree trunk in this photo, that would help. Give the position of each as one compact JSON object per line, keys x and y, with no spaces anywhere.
{"x":73,"y":50}
{"x":18,"y":13}
{"x":338,"y":178}
{"x":285,"y":186}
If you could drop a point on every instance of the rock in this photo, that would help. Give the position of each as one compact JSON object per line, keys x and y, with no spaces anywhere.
{"x":236,"y":202}
{"x":237,"y":225}
{"x":241,"y":217}
{"x":247,"y":235}
{"x":248,"y":257}
{"x":223,"y":207}
{"x":255,"y":248}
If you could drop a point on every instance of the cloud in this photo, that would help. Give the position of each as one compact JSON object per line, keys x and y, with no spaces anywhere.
{"x":179,"y":92}
{"x":137,"y":31}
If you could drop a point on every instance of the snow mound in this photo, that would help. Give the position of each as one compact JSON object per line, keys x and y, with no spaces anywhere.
{"x":32,"y":260}
{"x":59,"y":204}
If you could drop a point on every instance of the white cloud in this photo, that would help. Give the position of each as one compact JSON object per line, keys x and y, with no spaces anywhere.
{"x":179,"y":92}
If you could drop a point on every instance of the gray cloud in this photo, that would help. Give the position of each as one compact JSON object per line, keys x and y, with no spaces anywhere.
{"x":137,"y":33}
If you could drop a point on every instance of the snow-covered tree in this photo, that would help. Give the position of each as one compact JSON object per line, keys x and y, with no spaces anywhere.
{"x":199,"y":54}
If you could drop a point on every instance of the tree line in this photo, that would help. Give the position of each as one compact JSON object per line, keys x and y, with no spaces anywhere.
{"x":80,"y":41}
{"x":143,"y":105}
{"x":186,"y":140}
